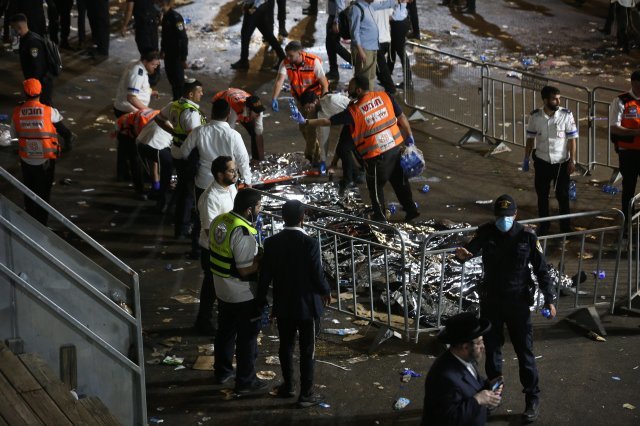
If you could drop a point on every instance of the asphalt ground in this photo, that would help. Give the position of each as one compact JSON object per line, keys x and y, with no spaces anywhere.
{"x":582,"y":381}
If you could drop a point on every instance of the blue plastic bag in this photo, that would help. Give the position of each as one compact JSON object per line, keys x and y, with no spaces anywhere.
{"x":412,"y":161}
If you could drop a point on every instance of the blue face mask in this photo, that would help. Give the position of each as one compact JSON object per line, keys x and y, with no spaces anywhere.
{"x":504,"y":223}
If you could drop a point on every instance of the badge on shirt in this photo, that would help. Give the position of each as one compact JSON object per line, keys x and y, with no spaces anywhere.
{"x":140,"y":71}
{"x":561,"y":134}
{"x":34,"y":52}
{"x":220,"y":233}
{"x":180,"y":26}
{"x":538,"y":246}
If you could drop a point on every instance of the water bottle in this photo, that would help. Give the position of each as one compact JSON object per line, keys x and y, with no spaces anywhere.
{"x":527,"y":62}
{"x":346,"y":66}
{"x":187,"y":20}
{"x":483,"y":58}
{"x":572,"y":190}
{"x":322,"y":168}
{"x":425,"y":189}
{"x":259,"y":223}
{"x":600,"y":274}
{"x":392,"y":208}
{"x":293,"y":107}
{"x":545,"y":312}
{"x":264,"y":320}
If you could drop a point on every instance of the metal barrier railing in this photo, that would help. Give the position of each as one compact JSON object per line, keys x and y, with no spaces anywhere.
{"x":354,"y":262}
{"x":602,"y":150}
{"x":67,"y":297}
{"x":633,"y":256}
{"x":449,"y":268}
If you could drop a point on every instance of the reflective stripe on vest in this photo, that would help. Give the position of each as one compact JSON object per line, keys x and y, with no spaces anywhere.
{"x":132,"y":123}
{"x":221,"y":259}
{"x":177,"y":108}
{"x":375,"y":128}
{"x":37,"y":136}
{"x":630,"y":120}
{"x":237,"y":99}
{"x":302,"y":77}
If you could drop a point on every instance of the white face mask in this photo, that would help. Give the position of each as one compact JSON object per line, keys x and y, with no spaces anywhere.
{"x":504,"y":223}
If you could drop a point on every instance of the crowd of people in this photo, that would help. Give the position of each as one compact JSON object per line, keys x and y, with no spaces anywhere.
{"x":215,"y":207}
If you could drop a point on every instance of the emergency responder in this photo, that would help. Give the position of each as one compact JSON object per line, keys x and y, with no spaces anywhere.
{"x":179,"y":118}
{"x":98,"y":15}
{"x":33,"y":124}
{"x":507,"y":292}
{"x":625,"y":133}
{"x":304,"y":71}
{"x":247,"y":110}
{"x":146,"y":17}
{"x":378,"y":128}
{"x":235,"y":261}
{"x":174,"y":47}
{"x":35,"y":64}
{"x":33,"y":10}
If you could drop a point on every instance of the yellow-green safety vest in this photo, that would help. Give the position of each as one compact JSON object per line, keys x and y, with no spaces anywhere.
{"x":221,"y":258}
{"x":177,"y":108}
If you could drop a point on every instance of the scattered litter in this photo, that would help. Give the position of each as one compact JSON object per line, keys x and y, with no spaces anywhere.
{"x":361,"y":322}
{"x":173,"y":360}
{"x":154,"y":361}
{"x":229,"y":394}
{"x":401,"y":403}
{"x":167,"y":320}
{"x":352,"y":337}
{"x":405,"y":378}
{"x":514,"y":74}
{"x":324,"y":405}
{"x":78,"y":169}
{"x":616,"y":378}
{"x":358,"y":359}
{"x":207,"y":349}
{"x":177,"y":269}
{"x":335,"y":321}
{"x":171,"y":341}
{"x":103,"y":119}
{"x":204,"y":363}
{"x":82,"y":203}
{"x":340,"y":331}
{"x":410,"y":372}
{"x":596,"y":337}
{"x":272,"y":360}
{"x":405,"y":353}
{"x":539,"y":356}
{"x":628,"y":406}
{"x":90,"y":80}
{"x":335,"y":365}
{"x":155,"y":420}
{"x":180,"y":367}
{"x":484,"y":202}
{"x":160,"y":409}
{"x":66,"y":181}
{"x":206,"y":419}
{"x":185,"y":298}
{"x":85,"y":98}
{"x":266,"y":375}
{"x":163,"y":308}
{"x":197,"y":64}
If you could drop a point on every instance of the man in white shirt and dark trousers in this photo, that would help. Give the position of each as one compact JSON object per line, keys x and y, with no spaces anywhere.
{"x":214,"y":201}
{"x":212,"y":140}
{"x":552,"y":130}
{"x":382,"y":17}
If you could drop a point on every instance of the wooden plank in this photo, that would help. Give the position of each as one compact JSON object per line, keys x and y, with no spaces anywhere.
{"x":13,"y":408}
{"x":44,"y":407}
{"x":99,"y":412}
{"x":56,"y":390}
{"x":16,"y":373}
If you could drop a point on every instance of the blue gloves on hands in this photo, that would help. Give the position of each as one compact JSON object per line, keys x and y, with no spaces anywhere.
{"x":410,"y":141}
{"x":274,"y":105}
{"x":298,"y":118}
{"x":525,"y":164}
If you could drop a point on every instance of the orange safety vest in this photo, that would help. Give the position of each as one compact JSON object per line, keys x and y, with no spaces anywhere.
{"x":302,"y":77}
{"x":237,"y":99}
{"x":37,"y":136}
{"x":630,"y":120}
{"x":132,"y":123}
{"x":375,"y":128}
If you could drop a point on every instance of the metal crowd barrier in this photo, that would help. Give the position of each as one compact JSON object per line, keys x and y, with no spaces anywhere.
{"x":602,"y":150}
{"x":592,"y":250}
{"x":51,"y":295}
{"x":351,"y":260}
{"x":633,"y":258}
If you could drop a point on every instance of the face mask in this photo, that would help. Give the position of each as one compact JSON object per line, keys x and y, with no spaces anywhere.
{"x":504,"y":223}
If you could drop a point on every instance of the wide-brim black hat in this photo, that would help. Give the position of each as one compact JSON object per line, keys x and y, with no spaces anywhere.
{"x":463,"y":328}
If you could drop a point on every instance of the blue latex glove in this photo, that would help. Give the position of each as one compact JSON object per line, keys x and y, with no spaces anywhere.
{"x":274,"y":105}
{"x":525,"y":164}
{"x":410,"y":141}
{"x":298,"y":118}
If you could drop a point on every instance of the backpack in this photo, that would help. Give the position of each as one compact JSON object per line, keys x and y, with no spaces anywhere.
{"x":54,"y":60}
{"x":344,"y":21}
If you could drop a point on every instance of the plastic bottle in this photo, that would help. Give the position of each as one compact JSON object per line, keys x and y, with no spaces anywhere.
{"x":545,"y":312}
{"x":187,"y":20}
{"x":392,"y":208}
{"x":600,"y":274}
{"x":425,"y":189}
{"x":572,"y":190}
{"x":346,"y":66}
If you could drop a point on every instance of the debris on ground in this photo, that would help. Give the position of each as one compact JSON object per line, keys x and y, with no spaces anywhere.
{"x":401,"y":403}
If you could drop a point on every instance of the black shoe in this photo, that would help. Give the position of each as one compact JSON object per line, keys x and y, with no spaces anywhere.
{"x":333,"y":75}
{"x":223,"y":379}
{"x":531,"y":411}
{"x":242,"y":64}
{"x":204,"y":328}
{"x":283,"y":32}
{"x":310,"y":400}
{"x":415,"y":36}
{"x":257,"y":386}
{"x":284,"y":391}
{"x":310,"y":11}
{"x":411,"y":215}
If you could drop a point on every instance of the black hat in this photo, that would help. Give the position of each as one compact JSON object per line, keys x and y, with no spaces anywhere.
{"x":292,"y":212}
{"x":254,"y":104}
{"x":463,"y":328}
{"x":635,"y":76}
{"x":505,"y":205}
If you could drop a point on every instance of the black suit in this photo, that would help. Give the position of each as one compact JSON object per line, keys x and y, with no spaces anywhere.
{"x":292,"y":263}
{"x":448,"y":394}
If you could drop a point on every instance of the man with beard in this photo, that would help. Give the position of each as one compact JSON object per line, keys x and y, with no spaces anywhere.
{"x":454,"y":392}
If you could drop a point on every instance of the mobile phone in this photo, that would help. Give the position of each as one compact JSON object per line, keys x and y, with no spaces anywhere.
{"x":496,"y":385}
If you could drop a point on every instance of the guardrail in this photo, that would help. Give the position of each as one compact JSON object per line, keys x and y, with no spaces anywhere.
{"x":452,"y":270}
{"x":603,"y":153}
{"x":633,"y":258}
{"x":51,"y":295}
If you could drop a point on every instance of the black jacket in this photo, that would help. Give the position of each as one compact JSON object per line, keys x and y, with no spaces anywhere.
{"x":292,"y":263}
{"x":448,"y":394}
{"x":506,"y":257}
{"x":33,"y":56}
{"x":174,"y":43}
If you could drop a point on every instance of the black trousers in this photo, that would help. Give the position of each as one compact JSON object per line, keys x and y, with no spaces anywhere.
{"x":98,"y":14}
{"x":629,"y":164}
{"x":54,"y":20}
{"x":287,"y":329}
{"x":163,"y":158}
{"x":236,"y":333}
{"x":260,"y":20}
{"x":46,"y":97}
{"x":545,"y":175}
{"x":207,"y":291}
{"x":282,"y":14}
{"x":399,"y":30}
{"x":195,"y":230}
{"x":64,"y":10}
{"x":39,"y":179}
{"x":257,"y":147}
{"x":386,"y":168}
{"x":128,"y":166}
{"x":412,"y":8}
{"x":184,"y":194}
{"x":382,"y":70}
{"x":175,"y":74}
{"x":623,"y":18}
{"x":82,"y":15}
{"x":345,"y":151}
{"x":146,"y":34}
{"x":516,"y":316}
{"x":334,"y":47}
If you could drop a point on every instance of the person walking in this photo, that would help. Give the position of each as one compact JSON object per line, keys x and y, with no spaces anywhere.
{"x":174,"y":47}
{"x":292,"y":263}
{"x":552,"y":139}
{"x":332,"y":42}
{"x":506,"y":292}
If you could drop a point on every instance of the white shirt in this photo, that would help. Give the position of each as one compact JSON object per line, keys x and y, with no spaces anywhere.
{"x":189,"y":119}
{"x":330,"y":104}
{"x":134,"y":81}
{"x":233,"y":290}
{"x":212,"y":140}
{"x":382,"y":21}
{"x":551,"y":134}
{"x":56,"y":117}
{"x":233,"y":119}
{"x":617,"y":109}
{"x":154,"y":136}
{"x":214,"y":201}
{"x":318,"y":71}
{"x":627,"y":3}
{"x":467,"y":365}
